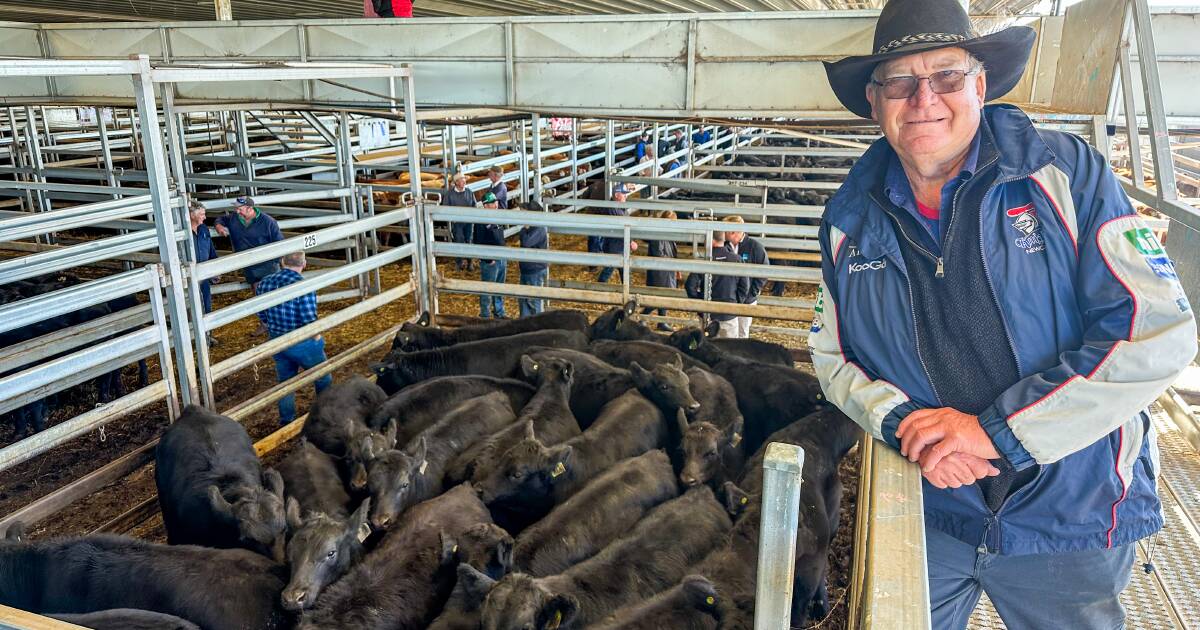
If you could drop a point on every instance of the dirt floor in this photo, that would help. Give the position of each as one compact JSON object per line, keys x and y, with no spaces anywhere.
{"x":48,"y":472}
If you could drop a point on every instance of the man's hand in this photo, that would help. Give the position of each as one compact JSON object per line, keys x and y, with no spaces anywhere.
{"x":222,"y":230}
{"x":959,"y":469}
{"x":943,"y":431}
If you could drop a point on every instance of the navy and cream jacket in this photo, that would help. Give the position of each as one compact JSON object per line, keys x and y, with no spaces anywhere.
{"x":1092,"y":314}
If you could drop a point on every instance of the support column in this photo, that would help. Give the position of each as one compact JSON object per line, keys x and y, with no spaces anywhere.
{"x":223,"y":10}
{"x":421,"y":226}
{"x":780,"y":504}
{"x":574,"y":158}
{"x":1132,"y":133}
{"x":610,"y":163}
{"x":537,"y":157}
{"x":523,"y":152}
{"x":1160,"y":139}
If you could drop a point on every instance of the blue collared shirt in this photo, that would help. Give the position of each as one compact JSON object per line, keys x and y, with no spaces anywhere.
{"x":292,"y":314}
{"x":899,"y":191}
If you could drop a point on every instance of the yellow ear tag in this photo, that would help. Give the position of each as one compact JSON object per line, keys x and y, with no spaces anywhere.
{"x":424,"y":465}
{"x":557,"y":620}
{"x":745,"y":500}
{"x":558,"y":469}
{"x":710,"y":600}
{"x":454,"y":549}
{"x":693,"y":345}
{"x":364,"y":531}
{"x":535,"y":367}
{"x":737,"y":439}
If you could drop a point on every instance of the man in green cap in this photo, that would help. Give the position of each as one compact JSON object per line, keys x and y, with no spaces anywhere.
{"x":491,"y":270}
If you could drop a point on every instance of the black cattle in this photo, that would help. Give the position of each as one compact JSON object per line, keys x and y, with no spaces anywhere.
{"x":749,"y":349}
{"x":463,"y":610}
{"x":647,"y":353}
{"x":126,"y":619}
{"x":322,"y":547}
{"x":420,"y":405}
{"x":418,"y":336}
{"x":391,"y":478}
{"x":212,"y":488}
{"x":462,"y":427}
{"x":770,"y":397}
{"x":717,"y":398}
{"x":403,"y":583}
{"x":690,"y":605}
{"x":216,"y":589}
{"x":490,"y":357}
{"x":733,"y":568}
{"x":337,"y":424}
{"x":711,"y":455}
{"x":601,"y":512}
{"x":310,"y":476}
{"x":652,"y":558}
{"x":617,"y":323}
{"x":549,"y":410}
{"x":597,"y":383}
{"x":530,"y":474}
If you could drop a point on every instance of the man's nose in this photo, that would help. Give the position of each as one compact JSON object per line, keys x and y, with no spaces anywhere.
{"x":924,"y":95}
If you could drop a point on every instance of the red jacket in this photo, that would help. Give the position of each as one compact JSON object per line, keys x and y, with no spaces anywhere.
{"x":392,"y":8}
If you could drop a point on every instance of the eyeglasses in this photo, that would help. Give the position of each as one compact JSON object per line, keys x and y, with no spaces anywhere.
{"x":943,"y":82}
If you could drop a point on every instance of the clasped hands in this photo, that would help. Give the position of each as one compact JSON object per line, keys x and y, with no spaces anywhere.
{"x":951,"y":446}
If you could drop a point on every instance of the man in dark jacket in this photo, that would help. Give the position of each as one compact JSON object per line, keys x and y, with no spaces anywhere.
{"x":497,"y":187}
{"x":992,"y":307}
{"x":204,"y":248}
{"x":533,"y":273}
{"x":491,"y":270}
{"x":458,"y":195}
{"x":729,"y":289}
{"x":248,"y":228}
{"x":614,"y":245}
{"x":749,"y":251}
{"x":664,"y":248}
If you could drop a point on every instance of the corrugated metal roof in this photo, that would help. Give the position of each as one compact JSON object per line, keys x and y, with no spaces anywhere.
{"x":187,"y":10}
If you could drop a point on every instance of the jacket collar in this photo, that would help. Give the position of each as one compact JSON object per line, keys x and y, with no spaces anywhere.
{"x":1010,"y":144}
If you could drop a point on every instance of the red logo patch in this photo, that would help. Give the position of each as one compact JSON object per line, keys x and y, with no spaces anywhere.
{"x":1019,"y":210}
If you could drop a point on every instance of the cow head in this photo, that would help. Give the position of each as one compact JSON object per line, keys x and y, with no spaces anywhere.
{"x":365,"y":445}
{"x":257,"y":511}
{"x":737,"y":501}
{"x":322,"y":548}
{"x":393,"y":374}
{"x":527,"y":470}
{"x":549,"y":370}
{"x":705,"y":447}
{"x":665,"y":385}
{"x":691,"y":341}
{"x":519,"y":602}
{"x":390,"y":479}
{"x":487,"y":548}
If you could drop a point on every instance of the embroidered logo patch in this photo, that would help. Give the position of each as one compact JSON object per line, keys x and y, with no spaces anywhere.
{"x":1147,"y":245}
{"x":818,"y":308}
{"x":1024,"y":220}
{"x":852,"y":252}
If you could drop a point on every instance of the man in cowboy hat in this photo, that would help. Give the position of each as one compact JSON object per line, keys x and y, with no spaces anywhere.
{"x":993,"y":308}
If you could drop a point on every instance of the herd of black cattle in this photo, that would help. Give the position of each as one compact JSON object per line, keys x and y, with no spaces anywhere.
{"x":535,"y":474}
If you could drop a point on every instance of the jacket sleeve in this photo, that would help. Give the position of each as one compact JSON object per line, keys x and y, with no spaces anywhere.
{"x":1139,"y":332}
{"x":757,"y":284}
{"x":275,"y":233}
{"x":875,"y":404}
{"x":693,"y":285}
{"x":743,"y":289}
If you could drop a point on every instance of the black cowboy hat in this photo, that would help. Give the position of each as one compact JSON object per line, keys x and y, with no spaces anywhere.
{"x":909,"y":26}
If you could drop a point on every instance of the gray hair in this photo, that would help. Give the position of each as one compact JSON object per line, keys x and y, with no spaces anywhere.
{"x":294,"y":259}
{"x":195,"y":206}
{"x":974,"y":64}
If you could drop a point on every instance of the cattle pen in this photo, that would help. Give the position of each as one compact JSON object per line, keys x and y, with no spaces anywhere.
{"x":348,"y":132}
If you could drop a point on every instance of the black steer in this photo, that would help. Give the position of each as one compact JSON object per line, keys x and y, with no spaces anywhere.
{"x":749,"y":349}
{"x":420,"y":405}
{"x":418,"y":336}
{"x":337,"y":424}
{"x":617,"y":323}
{"x":648,"y":353}
{"x":321,"y":549}
{"x":690,"y":605}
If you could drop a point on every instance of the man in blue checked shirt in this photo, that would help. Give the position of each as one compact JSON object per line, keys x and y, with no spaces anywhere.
{"x":286,"y":317}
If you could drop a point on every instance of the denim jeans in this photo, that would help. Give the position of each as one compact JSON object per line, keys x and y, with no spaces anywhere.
{"x":595,"y":244}
{"x":492,"y":271}
{"x":533,"y":306}
{"x":607,"y":273}
{"x":461,"y":233}
{"x":290,"y":362}
{"x":206,"y":295}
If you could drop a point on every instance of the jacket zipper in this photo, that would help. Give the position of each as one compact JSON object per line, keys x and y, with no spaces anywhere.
{"x":937,"y":260}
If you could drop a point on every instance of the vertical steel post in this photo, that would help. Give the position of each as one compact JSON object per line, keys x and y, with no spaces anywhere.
{"x":1132,"y":133}
{"x":523,"y":151}
{"x":421,"y":227}
{"x":610,"y":163}
{"x":223,"y":10}
{"x":164,"y":225}
{"x":164,"y":340}
{"x":1160,"y":138}
{"x":654,"y":169}
{"x":33,"y":144}
{"x":537,"y":157}
{"x":782,"y":471}
{"x":243,"y":149}
{"x":625,"y":266}
{"x":574,"y":157}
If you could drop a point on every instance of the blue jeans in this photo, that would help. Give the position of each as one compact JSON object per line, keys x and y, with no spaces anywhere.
{"x":492,"y":271}
{"x":206,"y":295}
{"x":288,"y":363}
{"x":533,"y":306}
{"x":595,"y":244}
{"x":1077,"y":590}
{"x":607,"y":273}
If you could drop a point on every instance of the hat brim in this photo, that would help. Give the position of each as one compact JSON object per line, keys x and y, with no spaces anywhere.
{"x":1004,"y":55}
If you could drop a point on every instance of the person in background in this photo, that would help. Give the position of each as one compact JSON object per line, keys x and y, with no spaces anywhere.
{"x":248,"y":228}
{"x":615,"y":245}
{"x":491,"y":270}
{"x":664,"y":248}
{"x":643,"y":143}
{"x":533,"y":274}
{"x":701,"y":135}
{"x":678,"y":140}
{"x":458,"y":195}
{"x":498,"y":188}
{"x":392,"y":8}
{"x":729,"y":289}
{"x":282,"y":319}
{"x":595,"y":191}
{"x":205,"y":250}
{"x":752,"y":252}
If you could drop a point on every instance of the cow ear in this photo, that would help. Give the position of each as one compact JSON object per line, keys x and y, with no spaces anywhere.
{"x":694,"y":339}
{"x":712,"y":329}
{"x":568,"y":371}
{"x":273,"y":481}
{"x":677,"y":361}
{"x":641,"y":377}
{"x":560,"y":459}
{"x":358,"y":476}
{"x":448,"y":547}
{"x":681,"y":421}
{"x":529,"y":432}
{"x":418,"y":451}
{"x":734,"y":433}
{"x":736,"y":499}
{"x":475,"y":585}
{"x":529,"y":367}
{"x":390,"y":432}
{"x":358,"y":527}
{"x":425,"y":318}
{"x":559,"y":612}
{"x":504,"y":551}
{"x":294,"y":520}
{"x":218,"y":503}
{"x":630,"y":307}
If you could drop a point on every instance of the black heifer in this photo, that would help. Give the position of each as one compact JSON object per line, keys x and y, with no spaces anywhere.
{"x":310,"y":476}
{"x":690,"y":605}
{"x":420,"y":405}
{"x":617,"y":323}
{"x":413,"y":337}
{"x":126,"y":619}
{"x":216,"y":589}
{"x":321,"y":549}
{"x":498,"y":357}
{"x":653,"y":557}
{"x":602,"y":511}
{"x":337,"y":424}
{"x":749,"y":349}
{"x":212,"y":488}
{"x":712,"y":443}
{"x":404,"y":582}
{"x":647,"y":353}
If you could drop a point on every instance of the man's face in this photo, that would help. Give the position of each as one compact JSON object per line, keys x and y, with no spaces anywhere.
{"x":198,"y":216}
{"x":460,"y":184}
{"x":493,"y":177}
{"x":735,"y":237}
{"x":620,"y":197}
{"x":928,"y":128}
{"x":491,"y":205}
{"x":246,"y":212}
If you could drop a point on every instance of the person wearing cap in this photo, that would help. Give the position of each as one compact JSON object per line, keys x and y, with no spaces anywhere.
{"x":533,"y":273}
{"x":497,"y":187}
{"x":202,"y":239}
{"x":614,"y":245}
{"x":749,"y":251}
{"x":458,"y":195}
{"x":491,"y":270}
{"x":992,"y":307}
{"x":723,"y":288}
{"x":247,"y":228}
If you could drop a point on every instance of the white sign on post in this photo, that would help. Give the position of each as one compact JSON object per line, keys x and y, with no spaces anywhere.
{"x":372,"y":134}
